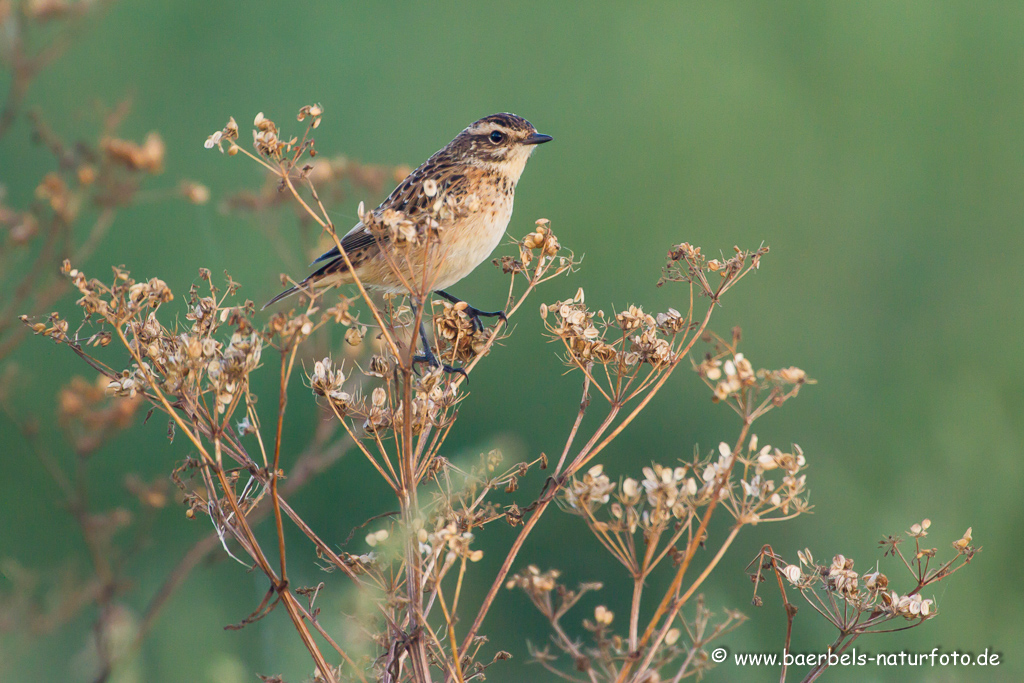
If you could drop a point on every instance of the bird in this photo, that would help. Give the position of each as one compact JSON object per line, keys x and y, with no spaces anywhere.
{"x":478,"y":169}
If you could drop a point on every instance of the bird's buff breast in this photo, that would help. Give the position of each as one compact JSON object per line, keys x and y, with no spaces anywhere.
{"x":470,"y":242}
{"x":461,"y":247}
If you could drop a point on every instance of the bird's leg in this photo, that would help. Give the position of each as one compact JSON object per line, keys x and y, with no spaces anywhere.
{"x":428,"y":353}
{"x":473,"y":313}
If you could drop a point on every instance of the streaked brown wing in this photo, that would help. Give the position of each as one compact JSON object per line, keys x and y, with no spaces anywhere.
{"x":409,"y":197}
{"x":355,"y":241}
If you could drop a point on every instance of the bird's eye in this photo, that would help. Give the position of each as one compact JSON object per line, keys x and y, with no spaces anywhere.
{"x":497,"y":136}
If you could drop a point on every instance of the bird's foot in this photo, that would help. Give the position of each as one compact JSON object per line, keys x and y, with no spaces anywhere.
{"x":474,"y":315}
{"x":432,"y":360}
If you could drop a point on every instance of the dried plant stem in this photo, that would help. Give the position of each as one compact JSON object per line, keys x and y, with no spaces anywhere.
{"x":678,"y":603}
{"x":838,"y":647}
{"x":634,"y":611}
{"x":584,"y":403}
{"x":517,"y":545}
{"x":328,"y":225}
{"x":570,"y":645}
{"x":409,"y":503}
{"x":333,"y":644}
{"x":686,"y":663}
{"x":456,"y":658}
{"x":584,"y":456}
{"x":252,"y":545}
{"x":287,"y":363}
{"x":669,"y":602}
{"x":767,"y":552}
{"x":321,"y":547}
{"x":506,"y":566}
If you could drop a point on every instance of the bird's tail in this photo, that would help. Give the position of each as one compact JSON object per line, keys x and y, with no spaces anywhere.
{"x":310,"y":283}
{"x":283,"y":295}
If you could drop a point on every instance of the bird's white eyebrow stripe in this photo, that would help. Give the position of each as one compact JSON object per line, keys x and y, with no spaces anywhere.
{"x":486,"y":127}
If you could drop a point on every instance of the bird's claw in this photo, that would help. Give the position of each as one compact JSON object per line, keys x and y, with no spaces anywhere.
{"x":474,"y":315}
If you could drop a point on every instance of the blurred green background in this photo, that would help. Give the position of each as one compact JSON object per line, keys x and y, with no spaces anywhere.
{"x":876,"y":147}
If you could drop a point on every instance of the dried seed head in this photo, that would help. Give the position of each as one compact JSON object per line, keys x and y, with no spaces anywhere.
{"x":964,"y":542}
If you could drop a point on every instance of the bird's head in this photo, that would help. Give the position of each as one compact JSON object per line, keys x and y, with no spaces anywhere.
{"x":500,"y":141}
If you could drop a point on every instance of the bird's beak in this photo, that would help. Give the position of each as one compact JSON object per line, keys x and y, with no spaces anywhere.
{"x":537,"y":139}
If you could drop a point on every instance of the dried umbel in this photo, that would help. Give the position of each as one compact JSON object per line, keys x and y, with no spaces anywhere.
{"x":575,"y":325}
{"x":590,"y":491}
{"x":542,"y":240}
{"x":864,"y":604}
{"x":663,"y":513}
{"x":541,"y":256}
{"x":228,"y":135}
{"x":540,"y":586}
{"x":603,"y":658}
{"x":459,"y":340}
{"x":648,"y":516}
{"x":327,"y":380}
{"x":734,"y":381}
{"x":628,"y":341}
{"x":711,"y":278}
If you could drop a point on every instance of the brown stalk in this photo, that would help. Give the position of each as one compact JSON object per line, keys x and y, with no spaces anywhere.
{"x":287,"y":363}
{"x":581,"y":459}
{"x":250,"y":538}
{"x":328,"y":225}
{"x":584,"y":403}
{"x":691,"y":551}
{"x":457,"y":659}
{"x":517,"y":545}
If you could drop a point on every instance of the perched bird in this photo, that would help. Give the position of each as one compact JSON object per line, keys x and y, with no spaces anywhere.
{"x":478,"y":169}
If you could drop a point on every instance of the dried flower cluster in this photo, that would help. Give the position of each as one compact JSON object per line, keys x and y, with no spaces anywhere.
{"x":459,"y":336}
{"x":667,"y":495}
{"x":686,"y":264}
{"x":432,"y":398}
{"x":734,"y":381}
{"x":686,"y":642}
{"x":858,"y":604}
{"x":193,"y":364}
{"x":539,"y":252}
